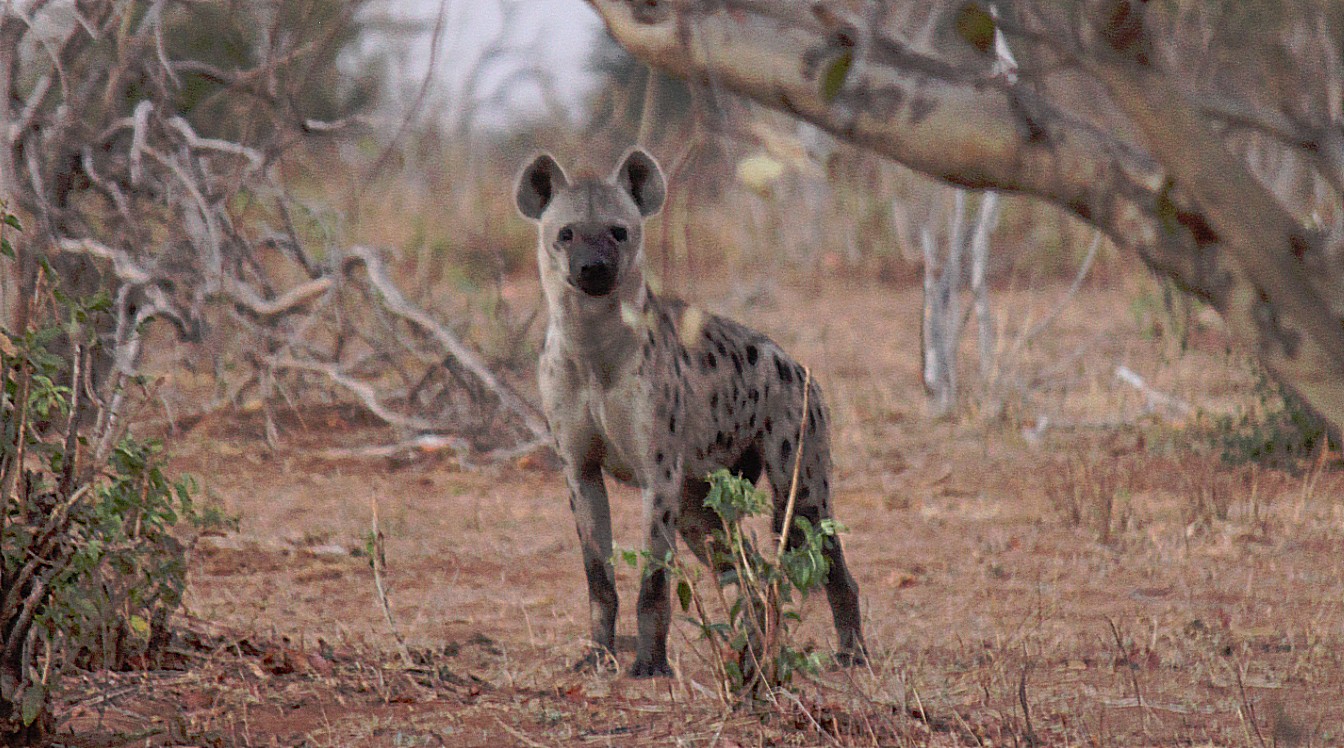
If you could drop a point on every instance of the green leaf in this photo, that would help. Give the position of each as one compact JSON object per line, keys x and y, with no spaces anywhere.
{"x":1168,"y":215}
{"x":684,"y":595}
{"x":12,"y":221}
{"x":976,"y":26}
{"x":139,"y":626}
{"x":835,"y":76}
{"x":6,"y":249}
{"x":34,"y":702}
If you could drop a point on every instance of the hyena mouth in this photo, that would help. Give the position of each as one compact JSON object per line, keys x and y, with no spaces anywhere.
{"x":596,"y":281}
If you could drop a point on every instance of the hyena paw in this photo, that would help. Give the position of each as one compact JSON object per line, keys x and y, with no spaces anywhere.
{"x":852,"y":657}
{"x":651,"y":669}
{"x":598,"y":660}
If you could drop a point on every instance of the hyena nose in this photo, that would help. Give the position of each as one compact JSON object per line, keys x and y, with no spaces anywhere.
{"x":595,"y":277}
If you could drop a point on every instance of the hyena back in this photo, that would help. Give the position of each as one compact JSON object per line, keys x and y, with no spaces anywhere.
{"x":659,"y":395}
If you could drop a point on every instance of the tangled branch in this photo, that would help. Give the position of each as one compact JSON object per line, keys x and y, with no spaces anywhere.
{"x":169,"y":203}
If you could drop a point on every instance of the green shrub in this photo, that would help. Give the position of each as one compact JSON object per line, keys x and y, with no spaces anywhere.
{"x":1279,"y":430}
{"x":750,"y":631}
{"x":91,"y":568}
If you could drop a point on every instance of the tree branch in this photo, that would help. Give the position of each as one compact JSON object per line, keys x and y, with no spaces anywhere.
{"x":1182,"y":208}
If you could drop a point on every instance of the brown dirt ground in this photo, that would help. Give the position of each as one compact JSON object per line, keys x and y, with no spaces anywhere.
{"x":992,"y":618}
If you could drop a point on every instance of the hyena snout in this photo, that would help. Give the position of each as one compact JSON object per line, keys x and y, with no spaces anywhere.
{"x":594,"y":255}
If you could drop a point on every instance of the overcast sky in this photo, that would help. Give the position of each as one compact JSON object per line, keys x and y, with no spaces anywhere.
{"x":557,"y":35}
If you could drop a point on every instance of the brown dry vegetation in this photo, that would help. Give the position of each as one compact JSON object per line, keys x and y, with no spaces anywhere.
{"x":1103,"y":582}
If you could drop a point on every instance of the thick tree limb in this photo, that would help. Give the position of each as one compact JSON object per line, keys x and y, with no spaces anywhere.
{"x":1294,"y":331}
{"x":964,"y":126}
{"x":1177,"y":208}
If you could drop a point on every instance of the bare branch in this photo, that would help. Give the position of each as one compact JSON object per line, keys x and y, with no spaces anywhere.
{"x":398,"y":305}
{"x":125,"y":268}
{"x":285,"y":303}
{"x":368,"y":396}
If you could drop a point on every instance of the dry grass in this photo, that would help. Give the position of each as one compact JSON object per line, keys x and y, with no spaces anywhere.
{"x":1095,"y":586}
{"x":1097,"y":582}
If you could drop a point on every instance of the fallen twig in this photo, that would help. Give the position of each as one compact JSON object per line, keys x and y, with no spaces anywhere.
{"x":1152,"y":397}
{"x":377,"y":560}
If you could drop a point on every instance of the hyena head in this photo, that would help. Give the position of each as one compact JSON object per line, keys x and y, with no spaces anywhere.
{"x":591,"y":229}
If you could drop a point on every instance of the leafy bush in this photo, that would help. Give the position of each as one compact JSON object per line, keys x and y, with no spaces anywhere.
{"x":750,"y":632}
{"x":1279,"y":430}
{"x":91,"y":568}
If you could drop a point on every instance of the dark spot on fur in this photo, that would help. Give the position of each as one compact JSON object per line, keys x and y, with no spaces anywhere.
{"x":825,"y":484}
{"x":719,"y":439}
{"x":667,"y":517}
{"x":718,"y":345}
{"x":655,"y":585}
{"x":749,"y":465}
{"x":783,"y":371}
{"x":754,"y":395}
{"x":658,"y":458}
{"x":752,"y":422}
{"x":769,"y":425}
{"x":708,"y":362}
{"x":806,"y":473}
{"x":651,"y":340}
{"x":699,"y":453}
{"x":1299,"y":244}
{"x":751,"y":355}
{"x":785,"y":450}
{"x":737,"y":362}
{"x":667,"y":474}
{"x":676,"y":367}
{"x":714,"y":401}
{"x":672,"y":423}
{"x":728,"y":411}
{"x":804,"y":493}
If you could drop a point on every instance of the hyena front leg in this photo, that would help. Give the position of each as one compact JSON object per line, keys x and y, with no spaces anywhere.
{"x":592,"y":515}
{"x":654,"y":611}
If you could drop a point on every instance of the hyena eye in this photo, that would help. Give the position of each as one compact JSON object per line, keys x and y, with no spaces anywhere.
{"x":619,"y":233}
{"x":565,"y":234}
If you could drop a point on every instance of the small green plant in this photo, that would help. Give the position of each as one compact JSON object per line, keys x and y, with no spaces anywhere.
{"x":749,"y":631}
{"x":1170,"y":317}
{"x":91,"y":568}
{"x":1278,"y":430}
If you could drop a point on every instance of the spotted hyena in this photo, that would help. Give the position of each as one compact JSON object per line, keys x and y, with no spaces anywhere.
{"x":659,"y":395}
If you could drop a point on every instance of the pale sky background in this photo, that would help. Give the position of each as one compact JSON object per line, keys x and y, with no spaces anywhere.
{"x":554,"y":35}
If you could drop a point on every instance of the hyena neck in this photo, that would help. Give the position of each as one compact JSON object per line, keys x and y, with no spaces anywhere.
{"x":602,"y":333}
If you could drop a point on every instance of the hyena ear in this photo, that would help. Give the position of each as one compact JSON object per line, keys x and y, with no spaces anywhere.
{"x":641,"y":178}
{"x":538,"y":184}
